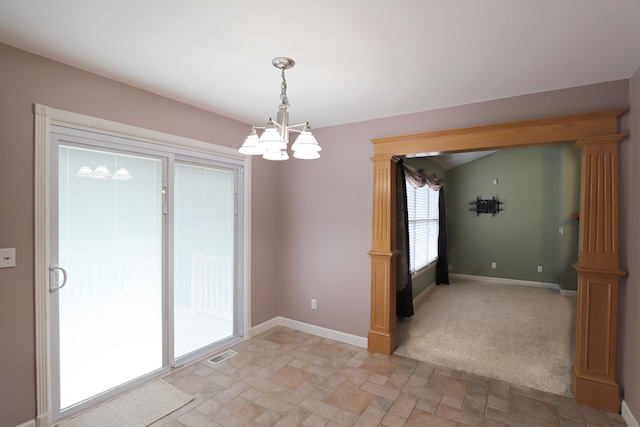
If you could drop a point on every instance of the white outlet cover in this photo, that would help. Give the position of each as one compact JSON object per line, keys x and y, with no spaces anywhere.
{"x":7,"y":257}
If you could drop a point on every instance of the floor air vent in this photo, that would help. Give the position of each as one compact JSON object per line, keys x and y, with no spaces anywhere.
{"x":222,"y":356}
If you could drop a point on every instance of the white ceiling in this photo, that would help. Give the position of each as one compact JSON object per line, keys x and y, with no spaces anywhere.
{"x":356,"y":59}
{"x":452,"y":160}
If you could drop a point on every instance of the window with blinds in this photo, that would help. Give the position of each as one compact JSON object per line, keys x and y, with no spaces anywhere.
{"x":422,"y":209}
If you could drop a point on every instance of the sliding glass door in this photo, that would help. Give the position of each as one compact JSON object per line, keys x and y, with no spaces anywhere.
{"x":145,"y":263}
{"x":110,"y":243}
{"x":204,"y":260}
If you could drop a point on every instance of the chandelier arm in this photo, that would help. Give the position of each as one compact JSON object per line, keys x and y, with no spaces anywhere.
{"x":278,"y":125}
{"x":298,"y":125}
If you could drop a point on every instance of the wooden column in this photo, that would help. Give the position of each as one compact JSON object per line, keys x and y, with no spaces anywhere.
{"x":382,"y":337}
{"x":594,"y":370}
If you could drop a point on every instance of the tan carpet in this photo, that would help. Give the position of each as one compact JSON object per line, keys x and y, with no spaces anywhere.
{"x":138,"y":408}
{"x":522,"y":335}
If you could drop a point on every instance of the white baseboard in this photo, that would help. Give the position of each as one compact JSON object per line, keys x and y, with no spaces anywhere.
{"x":310,"y":329}
{"x":567,"y":293}
{"x":554,"y":286}
{"x":628,"y":416}
{"x":30,"y":423}
{"x":263,"y":327}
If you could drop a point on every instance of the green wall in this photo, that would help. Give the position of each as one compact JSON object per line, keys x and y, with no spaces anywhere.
{"x":540,"y":189}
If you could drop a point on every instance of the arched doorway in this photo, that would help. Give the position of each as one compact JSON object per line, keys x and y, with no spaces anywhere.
{"x":593,"y":372}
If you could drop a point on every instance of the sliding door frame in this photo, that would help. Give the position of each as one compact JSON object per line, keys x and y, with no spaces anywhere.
{"x":45,"y":117}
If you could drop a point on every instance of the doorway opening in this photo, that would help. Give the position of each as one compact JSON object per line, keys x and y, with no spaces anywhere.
{"x":593,"y":373}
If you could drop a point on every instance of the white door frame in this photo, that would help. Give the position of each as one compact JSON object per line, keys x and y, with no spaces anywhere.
{"x":44,"y":118}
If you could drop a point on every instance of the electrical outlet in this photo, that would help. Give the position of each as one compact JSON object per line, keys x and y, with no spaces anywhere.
{"x":561,"y":230}
{"x":539,"y":269}
{"x":314,"y":304}
{"x":493,"y":265}
{"x":7,"y":257}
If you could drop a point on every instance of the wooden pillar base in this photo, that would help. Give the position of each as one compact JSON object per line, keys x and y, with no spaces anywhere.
{"x":595,"y":392}
{"x":382,"y":343}
{"x":593,"y":374}
{"x":382,"y":335}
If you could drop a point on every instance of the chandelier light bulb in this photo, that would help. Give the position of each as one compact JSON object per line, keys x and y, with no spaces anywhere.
{"x":306,"y":142}
{"x":250,"y":145}
{"x":276,"y":155}
{"x":271,"y":139}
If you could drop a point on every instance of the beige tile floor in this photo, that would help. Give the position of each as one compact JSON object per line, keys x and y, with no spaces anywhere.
{"x":288,"y":378}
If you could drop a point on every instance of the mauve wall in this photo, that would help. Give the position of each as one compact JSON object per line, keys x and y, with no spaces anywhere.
{"x":629,"y":318}
{"x":25,"y":79}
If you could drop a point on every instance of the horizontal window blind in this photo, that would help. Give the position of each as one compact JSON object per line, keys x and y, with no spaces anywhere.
{"x":422,"y":210}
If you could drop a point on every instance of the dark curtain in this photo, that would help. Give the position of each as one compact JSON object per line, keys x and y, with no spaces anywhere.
{"x":404,"y":296}
{"x":442,"y":266}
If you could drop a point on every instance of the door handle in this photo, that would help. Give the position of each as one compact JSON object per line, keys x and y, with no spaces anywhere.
{"x":52,"y":286}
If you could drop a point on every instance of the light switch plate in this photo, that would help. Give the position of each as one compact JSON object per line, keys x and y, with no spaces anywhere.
{"x":7,"y":257}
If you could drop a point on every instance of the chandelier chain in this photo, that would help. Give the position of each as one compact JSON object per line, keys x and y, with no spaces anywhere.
{"x":283,"y":93}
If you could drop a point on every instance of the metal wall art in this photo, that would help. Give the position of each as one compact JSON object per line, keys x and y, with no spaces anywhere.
{"x":486,"y":206}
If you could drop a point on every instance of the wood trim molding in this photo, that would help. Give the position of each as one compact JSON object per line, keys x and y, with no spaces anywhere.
{"x":598,"y":245}
{"x":555,"y":130}
{"x":597,"y":135}
{"x":383,"y":201}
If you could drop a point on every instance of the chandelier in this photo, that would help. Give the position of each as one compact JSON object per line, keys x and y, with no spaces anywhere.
{"x":272,"y":144}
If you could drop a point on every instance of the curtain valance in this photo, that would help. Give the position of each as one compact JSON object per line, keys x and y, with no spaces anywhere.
{"x":419,"y":178}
